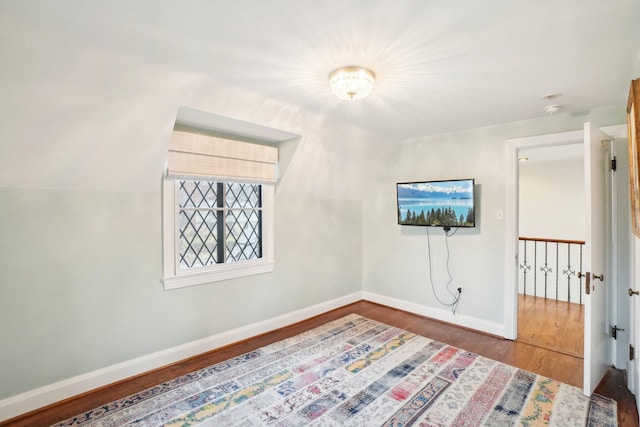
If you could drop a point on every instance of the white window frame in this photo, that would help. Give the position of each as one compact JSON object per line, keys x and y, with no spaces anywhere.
{"x":173,"y":278}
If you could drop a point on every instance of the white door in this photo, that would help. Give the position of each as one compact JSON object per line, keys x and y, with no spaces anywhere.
{"x":597,"y":350}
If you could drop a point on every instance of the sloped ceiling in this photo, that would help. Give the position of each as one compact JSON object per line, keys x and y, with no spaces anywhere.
{"x":102,"y":66}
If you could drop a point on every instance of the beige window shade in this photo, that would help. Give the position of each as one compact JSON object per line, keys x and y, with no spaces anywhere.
{"x":193,"y":155}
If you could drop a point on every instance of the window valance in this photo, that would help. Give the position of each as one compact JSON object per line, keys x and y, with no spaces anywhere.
{"x":193,"y":155}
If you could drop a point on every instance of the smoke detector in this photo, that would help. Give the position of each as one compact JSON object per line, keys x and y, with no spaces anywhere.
{"x":552,"y":109}
{"x":552,"y":95}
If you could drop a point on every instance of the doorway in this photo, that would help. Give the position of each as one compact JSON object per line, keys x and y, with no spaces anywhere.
{"x":601,"y":351}
{"x":551,"y":231}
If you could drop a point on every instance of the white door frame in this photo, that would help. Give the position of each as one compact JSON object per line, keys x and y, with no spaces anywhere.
{"x":621,"y":258}
{"x":511,"y":210}
{"x":511,"y":217}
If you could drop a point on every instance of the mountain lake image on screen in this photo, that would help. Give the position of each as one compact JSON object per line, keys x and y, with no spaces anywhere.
{"x":437,"y":203}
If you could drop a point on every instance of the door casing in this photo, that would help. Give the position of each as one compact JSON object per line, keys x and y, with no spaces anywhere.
{"x":511,"y":211}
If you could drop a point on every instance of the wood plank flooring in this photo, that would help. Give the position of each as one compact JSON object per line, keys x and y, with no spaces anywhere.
{"x":542,"y":361}
{"x":550,"y":324}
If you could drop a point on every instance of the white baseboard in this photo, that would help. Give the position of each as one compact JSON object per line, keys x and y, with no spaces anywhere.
{"x":438,"y":314}
{"x":43,"y":396}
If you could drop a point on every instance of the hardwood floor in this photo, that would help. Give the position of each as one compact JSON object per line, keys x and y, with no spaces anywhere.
{"x":550,"y":324}
{"x":560,"y":366}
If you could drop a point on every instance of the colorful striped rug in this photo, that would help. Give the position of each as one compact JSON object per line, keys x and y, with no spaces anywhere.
{"x":357,"y":372}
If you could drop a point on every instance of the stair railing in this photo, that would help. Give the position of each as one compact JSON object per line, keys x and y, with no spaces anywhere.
{"x":549,"y":268}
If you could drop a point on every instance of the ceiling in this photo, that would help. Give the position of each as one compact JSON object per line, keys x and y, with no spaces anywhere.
{"x":440,"y":65}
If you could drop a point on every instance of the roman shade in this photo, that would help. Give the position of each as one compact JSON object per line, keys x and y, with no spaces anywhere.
{"x":193,"y":155}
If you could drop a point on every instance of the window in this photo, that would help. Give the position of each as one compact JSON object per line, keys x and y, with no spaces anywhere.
{"x":217,"y":209}
{"x":218,"y":222}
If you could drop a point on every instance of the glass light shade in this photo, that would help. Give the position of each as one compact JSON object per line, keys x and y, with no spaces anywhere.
{"x":351,"y":82}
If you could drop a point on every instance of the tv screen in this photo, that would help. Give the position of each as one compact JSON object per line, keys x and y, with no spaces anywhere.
{"x":437,"y":203}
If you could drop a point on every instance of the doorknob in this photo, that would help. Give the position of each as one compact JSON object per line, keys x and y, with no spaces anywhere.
{"x":632,"y":292}
{"x":581,"y":274}
{"x":601,"y":277}
{"x":614,"y":331}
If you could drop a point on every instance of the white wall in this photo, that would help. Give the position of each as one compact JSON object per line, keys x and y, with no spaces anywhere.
{"x":81,"y":162}
{"x":552,"y":199}
{"x":81,"y":158}
{"x":81,"y":262}
{"x":551,"y":206}
{"x":395,"y":257}
{"x":81,"y":238}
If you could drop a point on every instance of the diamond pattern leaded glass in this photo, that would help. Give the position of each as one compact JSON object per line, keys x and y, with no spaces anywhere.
{"x":242,"y":195}
{"x":198,"y":239}
{"x":201,"y":207}
{"x":243,"y":240}
{"x":198,"y":194}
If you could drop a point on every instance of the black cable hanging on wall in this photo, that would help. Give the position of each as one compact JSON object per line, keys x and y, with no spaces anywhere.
{"x":456,"y":296}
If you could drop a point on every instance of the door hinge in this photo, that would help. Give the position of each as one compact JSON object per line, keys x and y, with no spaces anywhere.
{"x":614,"y":164}
{"x":632,"y":352}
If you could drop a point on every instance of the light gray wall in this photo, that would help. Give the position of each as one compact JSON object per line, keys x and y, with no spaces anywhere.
{"x":81,"y":258}
{"x":80,"y":267}
{"x":81,"y":290}
{"x":395,"y":258}
{"x":552,"y":199}
{"x":80,"y":235}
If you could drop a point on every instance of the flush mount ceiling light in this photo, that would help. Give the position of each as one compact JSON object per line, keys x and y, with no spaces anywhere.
{"x":351,"y":82}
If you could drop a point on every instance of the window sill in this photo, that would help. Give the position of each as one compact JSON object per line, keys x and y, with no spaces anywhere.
{"x":225,"y":272}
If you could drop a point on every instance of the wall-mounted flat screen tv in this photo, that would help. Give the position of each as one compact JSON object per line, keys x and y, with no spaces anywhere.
{"x":437,"y":203}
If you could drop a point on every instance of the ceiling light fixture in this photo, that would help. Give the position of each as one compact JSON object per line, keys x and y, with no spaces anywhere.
{"x":351,"y":82}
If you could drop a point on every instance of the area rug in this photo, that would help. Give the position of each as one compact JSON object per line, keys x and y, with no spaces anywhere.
{"x":357,"y":372}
